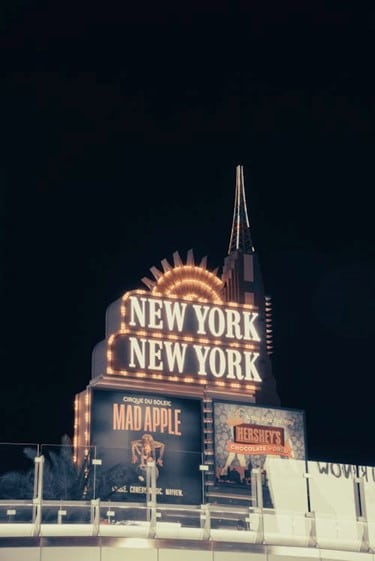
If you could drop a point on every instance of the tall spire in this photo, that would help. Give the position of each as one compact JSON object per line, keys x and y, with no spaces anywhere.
{"x":240,"y":237}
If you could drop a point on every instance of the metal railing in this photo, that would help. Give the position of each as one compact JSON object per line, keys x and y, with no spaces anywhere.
{"x":303,"y":513}
{"x":203,"y":522}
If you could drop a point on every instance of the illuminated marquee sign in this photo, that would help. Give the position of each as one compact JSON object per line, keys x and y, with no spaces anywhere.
{"x":181,"y":338}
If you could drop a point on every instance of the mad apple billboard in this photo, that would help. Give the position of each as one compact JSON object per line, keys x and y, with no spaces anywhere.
{"x":245,"y":435}
{"x":130,"y":430}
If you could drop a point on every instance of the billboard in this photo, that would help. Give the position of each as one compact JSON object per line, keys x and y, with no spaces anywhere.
{"x":246,"y":435}
{"x":130,"y":430}
{"x":176,"y":339}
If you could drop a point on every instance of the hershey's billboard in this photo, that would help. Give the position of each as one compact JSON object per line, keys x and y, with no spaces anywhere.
{"x":245,"y":435}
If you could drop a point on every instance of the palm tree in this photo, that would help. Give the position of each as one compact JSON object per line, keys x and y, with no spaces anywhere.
{"x":63,"y":479}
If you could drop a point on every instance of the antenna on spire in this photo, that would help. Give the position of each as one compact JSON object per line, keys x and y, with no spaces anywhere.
{"x":240,"y":237}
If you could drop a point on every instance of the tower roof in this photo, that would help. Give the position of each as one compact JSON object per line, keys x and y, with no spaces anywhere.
{"x":240,"y":237}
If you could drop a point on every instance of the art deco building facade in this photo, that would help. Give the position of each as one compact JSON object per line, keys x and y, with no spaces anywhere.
{"x":180,"y":443}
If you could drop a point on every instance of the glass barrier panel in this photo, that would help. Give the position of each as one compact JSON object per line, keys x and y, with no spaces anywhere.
{"x":67,"y":512}
{"x":130,"y":475}
{"x":333,"y":489}
{"x":125,"y":514}
{"x":185,"y":516}
{"x":229,"y":518}
{"x":367,"y":504}
{"x":286,"y":528}
{"x":264,"y":485}
{"x":284,"y":484}
{"x":16,"y":512}
{"x":17,"y":470}
{"x":367,"y":478}
{"x":111,"y":476}
{"x":65,"y":477}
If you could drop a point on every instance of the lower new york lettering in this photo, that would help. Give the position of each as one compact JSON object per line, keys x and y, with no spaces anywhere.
{"x":197,"y":360}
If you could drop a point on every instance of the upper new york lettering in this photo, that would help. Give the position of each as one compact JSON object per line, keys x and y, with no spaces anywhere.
{"x":197,"y":320}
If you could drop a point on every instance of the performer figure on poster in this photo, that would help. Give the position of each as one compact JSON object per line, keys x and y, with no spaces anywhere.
{"x":147,"y":450}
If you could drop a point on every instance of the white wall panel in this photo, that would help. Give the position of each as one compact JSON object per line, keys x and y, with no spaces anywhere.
{"x":19,"y":554}
{"x":238,"y":556}
{"x":330,"y":555}
{"x":292,"y":554}
{"x":128,"y":554}
{"x":184,"y":555}
{"x":69,"y":554}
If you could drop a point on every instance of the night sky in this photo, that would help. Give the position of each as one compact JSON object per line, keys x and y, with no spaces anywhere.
{"x":120,"y":129}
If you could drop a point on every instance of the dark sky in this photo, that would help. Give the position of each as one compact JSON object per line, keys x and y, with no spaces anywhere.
{"x":120,"y":129}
